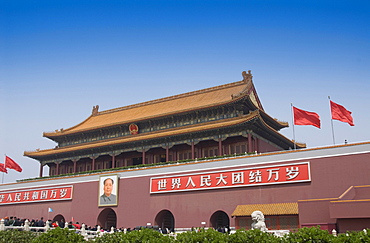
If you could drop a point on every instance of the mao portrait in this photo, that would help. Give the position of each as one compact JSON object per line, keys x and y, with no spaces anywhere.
{"x":108,"y":189}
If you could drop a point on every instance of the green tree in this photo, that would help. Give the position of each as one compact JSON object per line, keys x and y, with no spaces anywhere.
{"x":309,"y":235}
{"x":59,"y":235}
{"x":255,"y":235}
{"x":354,"y":237}
{"x":202,"y":236}
{"x":136,"y":236}
{"x":17,"y":236}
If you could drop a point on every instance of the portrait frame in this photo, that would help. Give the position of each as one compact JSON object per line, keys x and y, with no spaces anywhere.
{"x":112,"y":200}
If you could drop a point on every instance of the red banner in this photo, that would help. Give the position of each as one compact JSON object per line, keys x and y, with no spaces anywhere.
{"x":338,"y":112}
{"x":36,"y":195}
{"x":287,"y":173}
{"x":302,"y":117}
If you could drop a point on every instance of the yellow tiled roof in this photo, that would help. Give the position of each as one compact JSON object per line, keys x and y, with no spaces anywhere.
{"x":266,"y":209}
{"x":162,"y":107}
{"x":146,"y":136}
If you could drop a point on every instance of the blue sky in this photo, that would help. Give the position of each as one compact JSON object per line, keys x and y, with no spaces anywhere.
{"x":60,"y":58}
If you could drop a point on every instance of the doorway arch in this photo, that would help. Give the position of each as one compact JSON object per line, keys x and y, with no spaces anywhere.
{"x":219,"y":219}
{"x":60,"y":218}
{"x":165,"y":219}
{"x":107,"y":218}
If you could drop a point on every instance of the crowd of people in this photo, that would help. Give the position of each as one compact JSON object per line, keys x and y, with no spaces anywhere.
{"x":16,"y":221}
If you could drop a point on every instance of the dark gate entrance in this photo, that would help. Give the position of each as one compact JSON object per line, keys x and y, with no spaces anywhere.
{"x":165,"y":220}
{"x":219,"y":220}
{"x":60,"y":219}
{"x":107,"y":218}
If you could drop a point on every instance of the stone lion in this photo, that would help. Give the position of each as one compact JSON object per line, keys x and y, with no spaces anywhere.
{"x":258,"y":221}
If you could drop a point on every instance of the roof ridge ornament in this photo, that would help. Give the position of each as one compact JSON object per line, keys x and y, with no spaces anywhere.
{"x":247,"y":78}
{"x":95,"y":110}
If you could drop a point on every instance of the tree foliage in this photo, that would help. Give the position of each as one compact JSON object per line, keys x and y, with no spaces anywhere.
{"x":59,"y":235}
{"x":306,"y":235}
{"x":17,"y":236}
{"x":249,"y":236}
{"x":136,"y":236}
{"x":202,"y":236}
{"x":309,"y":235}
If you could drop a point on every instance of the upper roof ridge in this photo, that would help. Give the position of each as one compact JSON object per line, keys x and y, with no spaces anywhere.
{"x":173,"y":97}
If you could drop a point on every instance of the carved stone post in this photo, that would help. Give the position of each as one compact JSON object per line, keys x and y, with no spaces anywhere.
{"x":26,"y":225}
{"x":47,"y":226}
{"x":83,"y":231}
{"x":2,"y":225}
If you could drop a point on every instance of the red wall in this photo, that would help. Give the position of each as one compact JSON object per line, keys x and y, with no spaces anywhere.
{"x":330,"y":177}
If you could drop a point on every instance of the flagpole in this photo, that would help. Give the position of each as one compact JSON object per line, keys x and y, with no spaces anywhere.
{"x":2,"y":181}
{"x":291,"y":110}
{"x":332,"y":126}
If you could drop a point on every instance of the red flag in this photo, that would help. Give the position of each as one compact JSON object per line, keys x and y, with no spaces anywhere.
{"x":2,"y":168}
{"x":340,"y":113}
{"x":302,"y":117}
{"x":11,"y":164}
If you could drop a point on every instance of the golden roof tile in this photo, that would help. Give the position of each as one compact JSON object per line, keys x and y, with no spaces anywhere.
{"x":162,"y":107}
{"x":266,"y":209}
{"x":146,"y":136}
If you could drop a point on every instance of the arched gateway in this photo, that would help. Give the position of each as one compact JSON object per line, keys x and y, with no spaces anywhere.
{"x":59,"y":218}
{"x":219,"y":219}
{"x":165,"y":219}
{"x":107,"y":218}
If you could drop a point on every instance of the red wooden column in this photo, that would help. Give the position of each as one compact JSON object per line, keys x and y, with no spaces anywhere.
{"x":41,"y":169}
{"x":219,"y":147}
{"x":113,"y":161}
{"x":192,"y":150}
{"x":143,"y":157}
{"x":250,"y":145}
{"x":93,"y":163}
{"x":167,"y":153}
{"x":74,"y":165}
{"x":57,"y":168}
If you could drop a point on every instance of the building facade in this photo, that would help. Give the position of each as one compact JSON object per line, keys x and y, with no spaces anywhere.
{"x":222,"y":120}
{"x":323,"y":186}
{"x":207,"y":158}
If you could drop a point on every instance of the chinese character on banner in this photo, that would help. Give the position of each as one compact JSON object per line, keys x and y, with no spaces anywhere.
{"x":238,"y":178}
{"x":205,"y":180}
{"x":273,"y":173}
{"x":221,"y":178}
{"x":247,"y":176}
{"x":162,"y":184}
{"x":292,"y":172}
{"x":255,"y":176}
{"x":176,"y":183}
{"x":190,"y":182}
